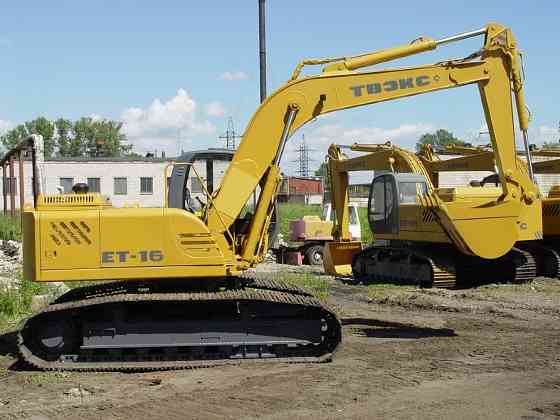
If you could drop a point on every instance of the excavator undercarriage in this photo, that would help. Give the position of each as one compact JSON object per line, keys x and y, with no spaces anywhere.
{"x":168,"y":325}
{"x":439,"y":266}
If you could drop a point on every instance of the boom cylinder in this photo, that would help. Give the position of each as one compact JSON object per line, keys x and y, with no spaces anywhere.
{"x":418,"y":46}
{"x":266,"y":198}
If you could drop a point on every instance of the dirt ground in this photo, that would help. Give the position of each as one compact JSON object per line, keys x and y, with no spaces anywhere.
{"x":492,"y":352}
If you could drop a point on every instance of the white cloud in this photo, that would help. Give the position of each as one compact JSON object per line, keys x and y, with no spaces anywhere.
{"x":537,"y":135}
{"x":544,"y":133}
{"x":162,"y":124}
{"x":405,"y":135}
{"x":95,"y":117}
{"x":234,"y":75}
{"x":215,"y":109}
{"x":5,"y":126}
{"x":321,"y":137}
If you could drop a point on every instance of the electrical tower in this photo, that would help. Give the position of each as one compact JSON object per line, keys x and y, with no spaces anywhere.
{"x":230,"y":135}
{"x":303,"y":158}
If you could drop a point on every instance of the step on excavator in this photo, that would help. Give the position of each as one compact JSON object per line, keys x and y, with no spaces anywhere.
{"x":169,"y":288}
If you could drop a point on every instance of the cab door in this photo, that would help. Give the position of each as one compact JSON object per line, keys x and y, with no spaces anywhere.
{"x":383,"y":208}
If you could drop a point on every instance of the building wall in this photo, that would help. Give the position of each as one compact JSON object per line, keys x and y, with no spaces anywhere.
{"x":107,"y":171}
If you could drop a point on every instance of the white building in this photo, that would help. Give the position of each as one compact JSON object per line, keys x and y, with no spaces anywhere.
{"x":126,"y":181}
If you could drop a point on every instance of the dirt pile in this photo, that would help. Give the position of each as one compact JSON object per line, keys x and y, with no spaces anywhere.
{"x":11,"y":256}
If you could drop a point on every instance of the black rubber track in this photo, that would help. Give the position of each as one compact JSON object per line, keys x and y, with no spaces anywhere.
{"x":251,"y":288}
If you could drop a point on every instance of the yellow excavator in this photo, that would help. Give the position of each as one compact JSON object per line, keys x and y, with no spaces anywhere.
{"x":481,"y":158}
{"x":412,"y":245}
{"x":181,"y":299}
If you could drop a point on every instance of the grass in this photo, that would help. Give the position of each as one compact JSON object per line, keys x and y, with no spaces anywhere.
{"x":10,"y":229}
{"x":15,"y":303}
{"x":367,"y":234}
{"x":318,"y":286}
{"x":378,"y":292}
{"x":46,"y":378}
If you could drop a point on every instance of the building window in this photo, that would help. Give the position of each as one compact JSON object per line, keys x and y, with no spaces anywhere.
{"x":94,"y":185}
{"x":11,"y":185}
{"x":120,"y":186}
{"x":66,"y":184}
{"x":146,"y":185}
{"x":196,"y":185}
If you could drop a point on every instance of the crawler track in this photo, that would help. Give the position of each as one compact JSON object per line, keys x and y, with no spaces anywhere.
{"x":140,"y":326}
{"x":444,"y":268}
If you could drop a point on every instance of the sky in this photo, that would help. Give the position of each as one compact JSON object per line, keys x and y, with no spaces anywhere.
{"x":175,"y":71}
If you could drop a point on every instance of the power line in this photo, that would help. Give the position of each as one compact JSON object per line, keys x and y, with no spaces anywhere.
{"x":230,"y":135}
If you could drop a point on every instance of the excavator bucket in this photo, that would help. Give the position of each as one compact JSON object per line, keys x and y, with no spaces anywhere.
{"x":337,"y":257}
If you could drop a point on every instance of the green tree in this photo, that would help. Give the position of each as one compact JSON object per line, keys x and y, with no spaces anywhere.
{"x":40,"y":126}
{"x":99,"y":138}
{"x":85,"y":137}
{"x":323,"y":172}
{"x":440,"y":139}
{"x":64,"y":134}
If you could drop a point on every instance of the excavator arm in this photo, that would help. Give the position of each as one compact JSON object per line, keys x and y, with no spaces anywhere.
{"x":494,"y":69}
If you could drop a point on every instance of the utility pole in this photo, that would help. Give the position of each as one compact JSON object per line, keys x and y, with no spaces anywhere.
{"x":230,"y":135}
{"x":262,"y":48}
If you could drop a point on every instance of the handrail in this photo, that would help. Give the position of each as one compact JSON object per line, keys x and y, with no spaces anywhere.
{"x":30,"y":143}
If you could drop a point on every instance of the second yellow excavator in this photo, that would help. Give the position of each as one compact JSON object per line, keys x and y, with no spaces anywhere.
{"x":481,"y":159}
{"x":447,"y":237}
{"x":411,"y":244}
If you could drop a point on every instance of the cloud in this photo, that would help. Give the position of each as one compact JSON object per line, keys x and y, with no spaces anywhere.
{"x":405,"y":135}
{"x":545,"y":133}
{"x":319,"y":138}
{"x":234,"y":75}
{"x":162,"y":125}
{"x":95,"y":117}
{"x":5,"y":126}
{"x":215,"y":109}
{"x":537,"y":135}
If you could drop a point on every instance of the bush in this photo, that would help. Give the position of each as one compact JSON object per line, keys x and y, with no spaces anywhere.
{"x":10,"y":228}
{"x":15,"y":302}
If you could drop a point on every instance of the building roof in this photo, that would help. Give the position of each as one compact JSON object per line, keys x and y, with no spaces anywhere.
{"x":214,"y":153}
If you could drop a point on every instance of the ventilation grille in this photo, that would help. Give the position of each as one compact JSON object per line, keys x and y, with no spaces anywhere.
{"x":428,"y":216}
{"x":70,"y":200}
{"x":196,"y":240}
{"x":551,"y":210}
{"x":70,"y":233}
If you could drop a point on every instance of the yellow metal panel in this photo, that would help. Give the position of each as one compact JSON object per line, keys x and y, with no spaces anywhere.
{"x":69,"y":239}
{"x":132,"y":237}
{"x":29,"y":246}
{"x":133,"y":273}
{"x":188,"y":241}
